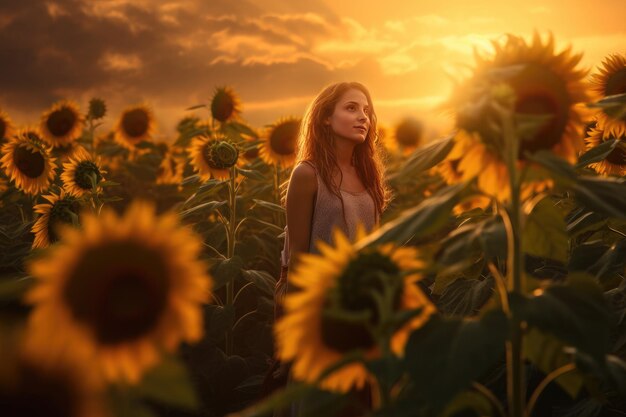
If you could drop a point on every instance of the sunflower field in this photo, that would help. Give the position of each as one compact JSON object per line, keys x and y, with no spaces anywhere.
{"x":137,"y":278}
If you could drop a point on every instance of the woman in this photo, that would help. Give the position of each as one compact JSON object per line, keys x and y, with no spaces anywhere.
{"x":338,"y":178}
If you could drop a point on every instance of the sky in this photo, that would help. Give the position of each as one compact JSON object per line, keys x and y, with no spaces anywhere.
{"x":276,"y":54}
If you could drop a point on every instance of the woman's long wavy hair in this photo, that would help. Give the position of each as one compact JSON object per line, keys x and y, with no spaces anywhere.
{"x":315,"y":144}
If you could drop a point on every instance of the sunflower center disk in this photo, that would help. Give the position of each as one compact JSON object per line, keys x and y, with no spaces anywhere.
{"x":84,"y":170}
{"x":30,"y":163}
{"x":617,"y":156}
{"x":135,"y":123}
{"x":222,"y":106}
{"x":61,"y":121}
{"x":361,"y":277}
{"x":221,"y":155}
{"x":409,"y":133}
{"x":541,"y":92}
{"x":119,"y":290}
{"x":283,"y":138}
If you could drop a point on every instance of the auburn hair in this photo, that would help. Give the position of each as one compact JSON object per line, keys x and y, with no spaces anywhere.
{"x":315,"y":144}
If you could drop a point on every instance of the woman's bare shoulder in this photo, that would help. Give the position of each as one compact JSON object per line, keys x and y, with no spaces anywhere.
{"x":303,"y":175}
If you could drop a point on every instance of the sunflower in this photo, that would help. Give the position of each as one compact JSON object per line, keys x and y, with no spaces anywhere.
{"x":27,"y":162}
{"x":225,"y":104}
{"x":343,"y":277}
{"x":30,"y":386}
{"x":80,"y":173}
{"x":136,"y":124}
{"x":60,"y":209}
{"x":409,"y":134}
{"x":62,"y":123}
{"x":171,"y":169}
{"x":615,"y":162}
{"x":278,"y":145}
{"x":609,"y":81}
{"x":541,"y":83}
{"x":213,"y":156}
{"x":7,"y":129}
{"x":119,"y":291}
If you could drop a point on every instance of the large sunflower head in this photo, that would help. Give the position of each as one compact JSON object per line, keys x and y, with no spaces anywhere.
{"x":611,"y":80}
{"x":615,"y":162}
{"x":279,"y":144}
{"x":7,"y":128}
{"x":60,"y":209}
{"x":342,"y":278}
{"x":119,"y":291}
{"x":213,"y":156}
{"x":81,"y":173}
{"x":536,"y":83}
{"x":62,"y":123}
{"x":136,"y":124}
{"x":408,"y":134}
{"x":27,"y":162}
{"x":225,"y":104}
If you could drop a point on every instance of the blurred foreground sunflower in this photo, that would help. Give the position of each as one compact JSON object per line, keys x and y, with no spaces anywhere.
{"x":615,"y":162}
{"x":30,"y":386}
{"x":119,"y":291}
{"x":60,"y":209}
{"x":342,"y":277}
{"x":7,"y":129}
{"x":540,"y":83}
{"x":278,"y":145}
{"x":62,"y":123}
{"x":27,"y":162}
{"x":611,"y":80}
{"x":136,"y":124}
{"x":81,"y":173}
{"x":225,"y":104}
{"x":212,"y":157}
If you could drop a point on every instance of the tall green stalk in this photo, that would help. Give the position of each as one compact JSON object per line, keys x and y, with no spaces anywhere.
{"x":230,"y":239}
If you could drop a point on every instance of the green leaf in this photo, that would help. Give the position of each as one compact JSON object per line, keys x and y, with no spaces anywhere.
{"x":268,"y":205}
{"x":547,"y":353}
{"x":468,"y":400}
{"x":169,"y":384}
{"x":427,"y":157}
{"x":544,"y":232}
{"x":614,"y":105}
{"x":208,"y":207}
{"x":597,"y":153}
{"x":611,"y":371}
{"x":261,"y":279}
{"x":427,"y":218}
{"x":574,"y":311}
{"x":445,"y":355}
{"x":225,"y":270}
{"x":197,"y":106}
{"x":13,"y":289}
{"x":251,"y":173}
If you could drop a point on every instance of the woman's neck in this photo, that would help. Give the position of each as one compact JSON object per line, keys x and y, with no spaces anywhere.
{"x":344,"y":151}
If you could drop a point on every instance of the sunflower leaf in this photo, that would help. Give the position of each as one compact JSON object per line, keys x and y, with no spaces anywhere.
{"x":251,"y":173}
{"x":544,"y":232}
{"x":468,"y":400}
{"x":575,"y":312}
{"x":428,"y":217}
{"x":445,"y":355}
{"x":427,"y":157}
{"x":197,"y":106}
{"x":597,"y":153}
{"x":261,"y":279}
{"x":208,"y":207}
{"x":268,"y":205}
{"x":169,"y":384}
{"x":611,"y":370}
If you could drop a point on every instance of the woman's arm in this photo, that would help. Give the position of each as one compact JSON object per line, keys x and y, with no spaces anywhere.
{"x":300,"y":202}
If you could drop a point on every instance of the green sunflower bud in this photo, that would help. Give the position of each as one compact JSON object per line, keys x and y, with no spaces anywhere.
{"x":223,"y":154}
{"x":97,"y":108}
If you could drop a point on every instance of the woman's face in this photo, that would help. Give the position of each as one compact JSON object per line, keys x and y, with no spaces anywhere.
{"x":351,"y":117}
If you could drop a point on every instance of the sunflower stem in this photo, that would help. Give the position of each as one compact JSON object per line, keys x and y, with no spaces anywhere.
{"x":231,"y":230}
{"x":514,"y":359}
